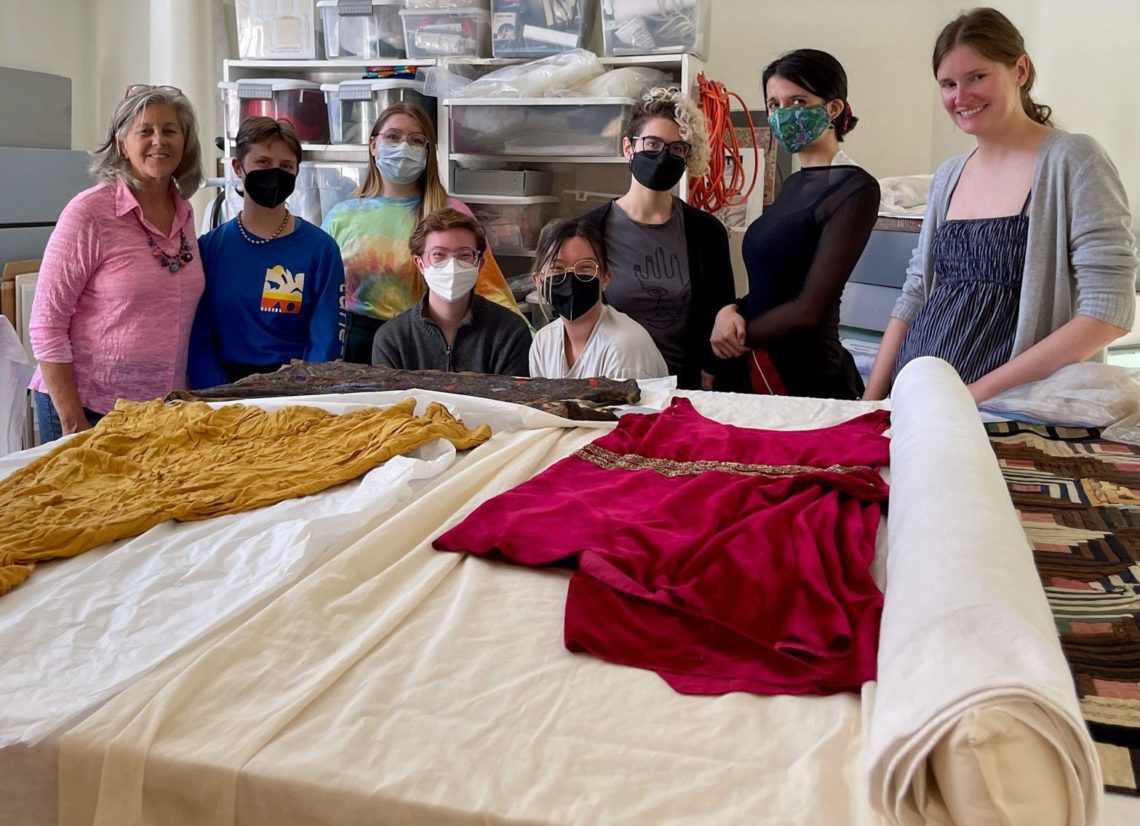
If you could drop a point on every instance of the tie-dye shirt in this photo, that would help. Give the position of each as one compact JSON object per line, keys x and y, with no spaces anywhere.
{"x":380,"y":277}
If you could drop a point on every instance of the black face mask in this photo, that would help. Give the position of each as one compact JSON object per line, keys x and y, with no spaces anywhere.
{"x":574,"y":298}
{"x":269,"y":187}
{"x":659,"y":171}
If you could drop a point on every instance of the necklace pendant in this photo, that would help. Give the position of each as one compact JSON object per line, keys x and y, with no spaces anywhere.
{"x":173,"y":266}
{"x":186,"y":258}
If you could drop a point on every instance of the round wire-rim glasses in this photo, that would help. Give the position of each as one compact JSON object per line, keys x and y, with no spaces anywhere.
{"x":583,"y":270}
{"x":394,"y":138}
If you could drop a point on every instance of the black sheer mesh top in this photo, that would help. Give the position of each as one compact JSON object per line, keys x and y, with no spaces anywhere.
{"x":799,"y":255}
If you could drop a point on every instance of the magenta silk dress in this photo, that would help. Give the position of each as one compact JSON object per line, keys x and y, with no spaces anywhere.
{"x":723,"y":558}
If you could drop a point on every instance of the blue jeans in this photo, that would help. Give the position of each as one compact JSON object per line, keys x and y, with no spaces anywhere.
{"x":51,"y":428}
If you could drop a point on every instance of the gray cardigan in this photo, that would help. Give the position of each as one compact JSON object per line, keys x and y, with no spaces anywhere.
{"x":1081,"y":255}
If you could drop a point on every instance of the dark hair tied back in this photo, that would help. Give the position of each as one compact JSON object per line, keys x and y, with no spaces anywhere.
{"x":819,"y":73}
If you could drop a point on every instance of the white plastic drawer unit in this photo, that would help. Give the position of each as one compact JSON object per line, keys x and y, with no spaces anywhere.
{"x":554,"y":127}
{"x":276,"y":29}
{"x":651,"y":27}
{"x":354,"y":105}
{"x":512,"y":223}
{"x":362,"y":28}
{"x":447,"y":32}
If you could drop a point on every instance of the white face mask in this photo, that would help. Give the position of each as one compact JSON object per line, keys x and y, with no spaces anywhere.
{"x":452,"y":280}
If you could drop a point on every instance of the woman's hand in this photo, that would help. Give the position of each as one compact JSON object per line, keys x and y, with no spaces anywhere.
{"x":73,"y":422}
{"x":728,"y":333}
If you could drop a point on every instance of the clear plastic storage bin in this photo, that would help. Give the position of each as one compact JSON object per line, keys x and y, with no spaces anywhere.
{"x":362,"y":28}
{"x":300,"y":102}
{"x":432,"y":33}
{"x":354,"y":105}
{"x":525,"y":29}
{"x":337,"y":181}
{"x":276,"y":29}
{"x":512,"y":224}
{"x":556,"y":127}
{"x":647,"y":27}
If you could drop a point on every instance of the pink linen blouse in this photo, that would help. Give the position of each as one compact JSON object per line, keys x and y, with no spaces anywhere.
{"x":104,"y":304}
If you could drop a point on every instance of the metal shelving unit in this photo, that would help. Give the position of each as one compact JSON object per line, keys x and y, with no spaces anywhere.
{"x":593,"y":173}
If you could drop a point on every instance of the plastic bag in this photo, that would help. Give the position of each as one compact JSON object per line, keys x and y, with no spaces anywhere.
{"x":538,"y":78}
{"x":1086,"y":394}
{"x":626,"y":82}
{"x":905,"y":195}
{"x":446,"y":81}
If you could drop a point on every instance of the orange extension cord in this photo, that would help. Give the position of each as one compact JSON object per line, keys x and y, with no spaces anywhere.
{"x":712,"y":192}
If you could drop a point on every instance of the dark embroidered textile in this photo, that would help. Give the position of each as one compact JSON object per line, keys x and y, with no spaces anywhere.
{"x":578,"y":399}
{"x":1079,"y":501}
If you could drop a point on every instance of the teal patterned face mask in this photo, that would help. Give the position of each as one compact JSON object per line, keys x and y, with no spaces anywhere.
{"x":797,"y":129}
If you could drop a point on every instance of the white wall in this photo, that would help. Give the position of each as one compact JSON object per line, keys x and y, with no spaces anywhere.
{"x":106,"y":45}
{"x":1086,"y":60}
{"x":883,"y":46}
{"x":53,"y":36}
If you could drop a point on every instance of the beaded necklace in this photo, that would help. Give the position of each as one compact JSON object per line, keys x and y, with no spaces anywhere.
{"x":257,"y":241}
{"x":174,"y":262}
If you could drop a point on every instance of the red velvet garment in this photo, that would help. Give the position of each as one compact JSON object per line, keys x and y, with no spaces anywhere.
{"x":723,"y":558}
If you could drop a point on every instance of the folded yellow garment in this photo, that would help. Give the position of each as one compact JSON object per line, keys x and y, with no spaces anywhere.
{"x":148,"y":462}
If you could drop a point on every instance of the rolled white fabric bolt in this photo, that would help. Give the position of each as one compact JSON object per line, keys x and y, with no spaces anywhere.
{"x":975,"y":719}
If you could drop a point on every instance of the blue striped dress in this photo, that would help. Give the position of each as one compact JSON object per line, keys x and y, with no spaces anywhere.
{"x":971,"y":316}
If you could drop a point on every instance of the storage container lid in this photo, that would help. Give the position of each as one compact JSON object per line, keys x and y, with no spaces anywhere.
{"x":347,"y":7}
{"x":521,"y":200}
{"x":482,"y":15}
{"x":445,"y":5}
{"x":567,"y":101}
{"x":363,"y":89}
{"x":265,"y":87}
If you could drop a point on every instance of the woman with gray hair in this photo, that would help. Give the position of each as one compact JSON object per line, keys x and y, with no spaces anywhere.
{"x":670,"y":264}
{"x":121,"y":276}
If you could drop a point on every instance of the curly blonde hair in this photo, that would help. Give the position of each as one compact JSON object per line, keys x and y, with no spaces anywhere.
{"x":671,"y":103}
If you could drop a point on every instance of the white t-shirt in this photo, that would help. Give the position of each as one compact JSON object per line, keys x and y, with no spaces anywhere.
{"x":618,"y":348}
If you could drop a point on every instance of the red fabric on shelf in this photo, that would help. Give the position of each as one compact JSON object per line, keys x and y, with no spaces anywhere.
{"x":749,"y":571}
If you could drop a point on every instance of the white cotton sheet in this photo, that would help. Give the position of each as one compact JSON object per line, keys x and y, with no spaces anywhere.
{"x":81,"y":630}
{"x":397,"y":684}
{"x":975,"y":720}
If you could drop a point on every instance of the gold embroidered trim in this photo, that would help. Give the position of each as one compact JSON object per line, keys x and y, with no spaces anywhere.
{"x":608,"y":460}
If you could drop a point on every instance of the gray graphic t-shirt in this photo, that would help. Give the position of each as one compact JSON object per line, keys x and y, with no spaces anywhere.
{"x":649,"y":264}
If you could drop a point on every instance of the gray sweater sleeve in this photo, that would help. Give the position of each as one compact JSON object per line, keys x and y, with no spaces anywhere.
{"x":1102,"y":250}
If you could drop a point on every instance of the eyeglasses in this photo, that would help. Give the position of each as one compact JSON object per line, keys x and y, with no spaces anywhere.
{"x":137,"y":88}
{"x":584,"y":270}
{"x":653,"y":145}
{"x":439,"y":257}
{"x":394,"y":138}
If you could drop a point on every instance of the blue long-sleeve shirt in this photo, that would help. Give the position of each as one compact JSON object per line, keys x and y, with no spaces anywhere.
{"x":266,"y":304}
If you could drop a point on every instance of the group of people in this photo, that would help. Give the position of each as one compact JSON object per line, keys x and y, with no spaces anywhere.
{"x":1025,"y":261}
